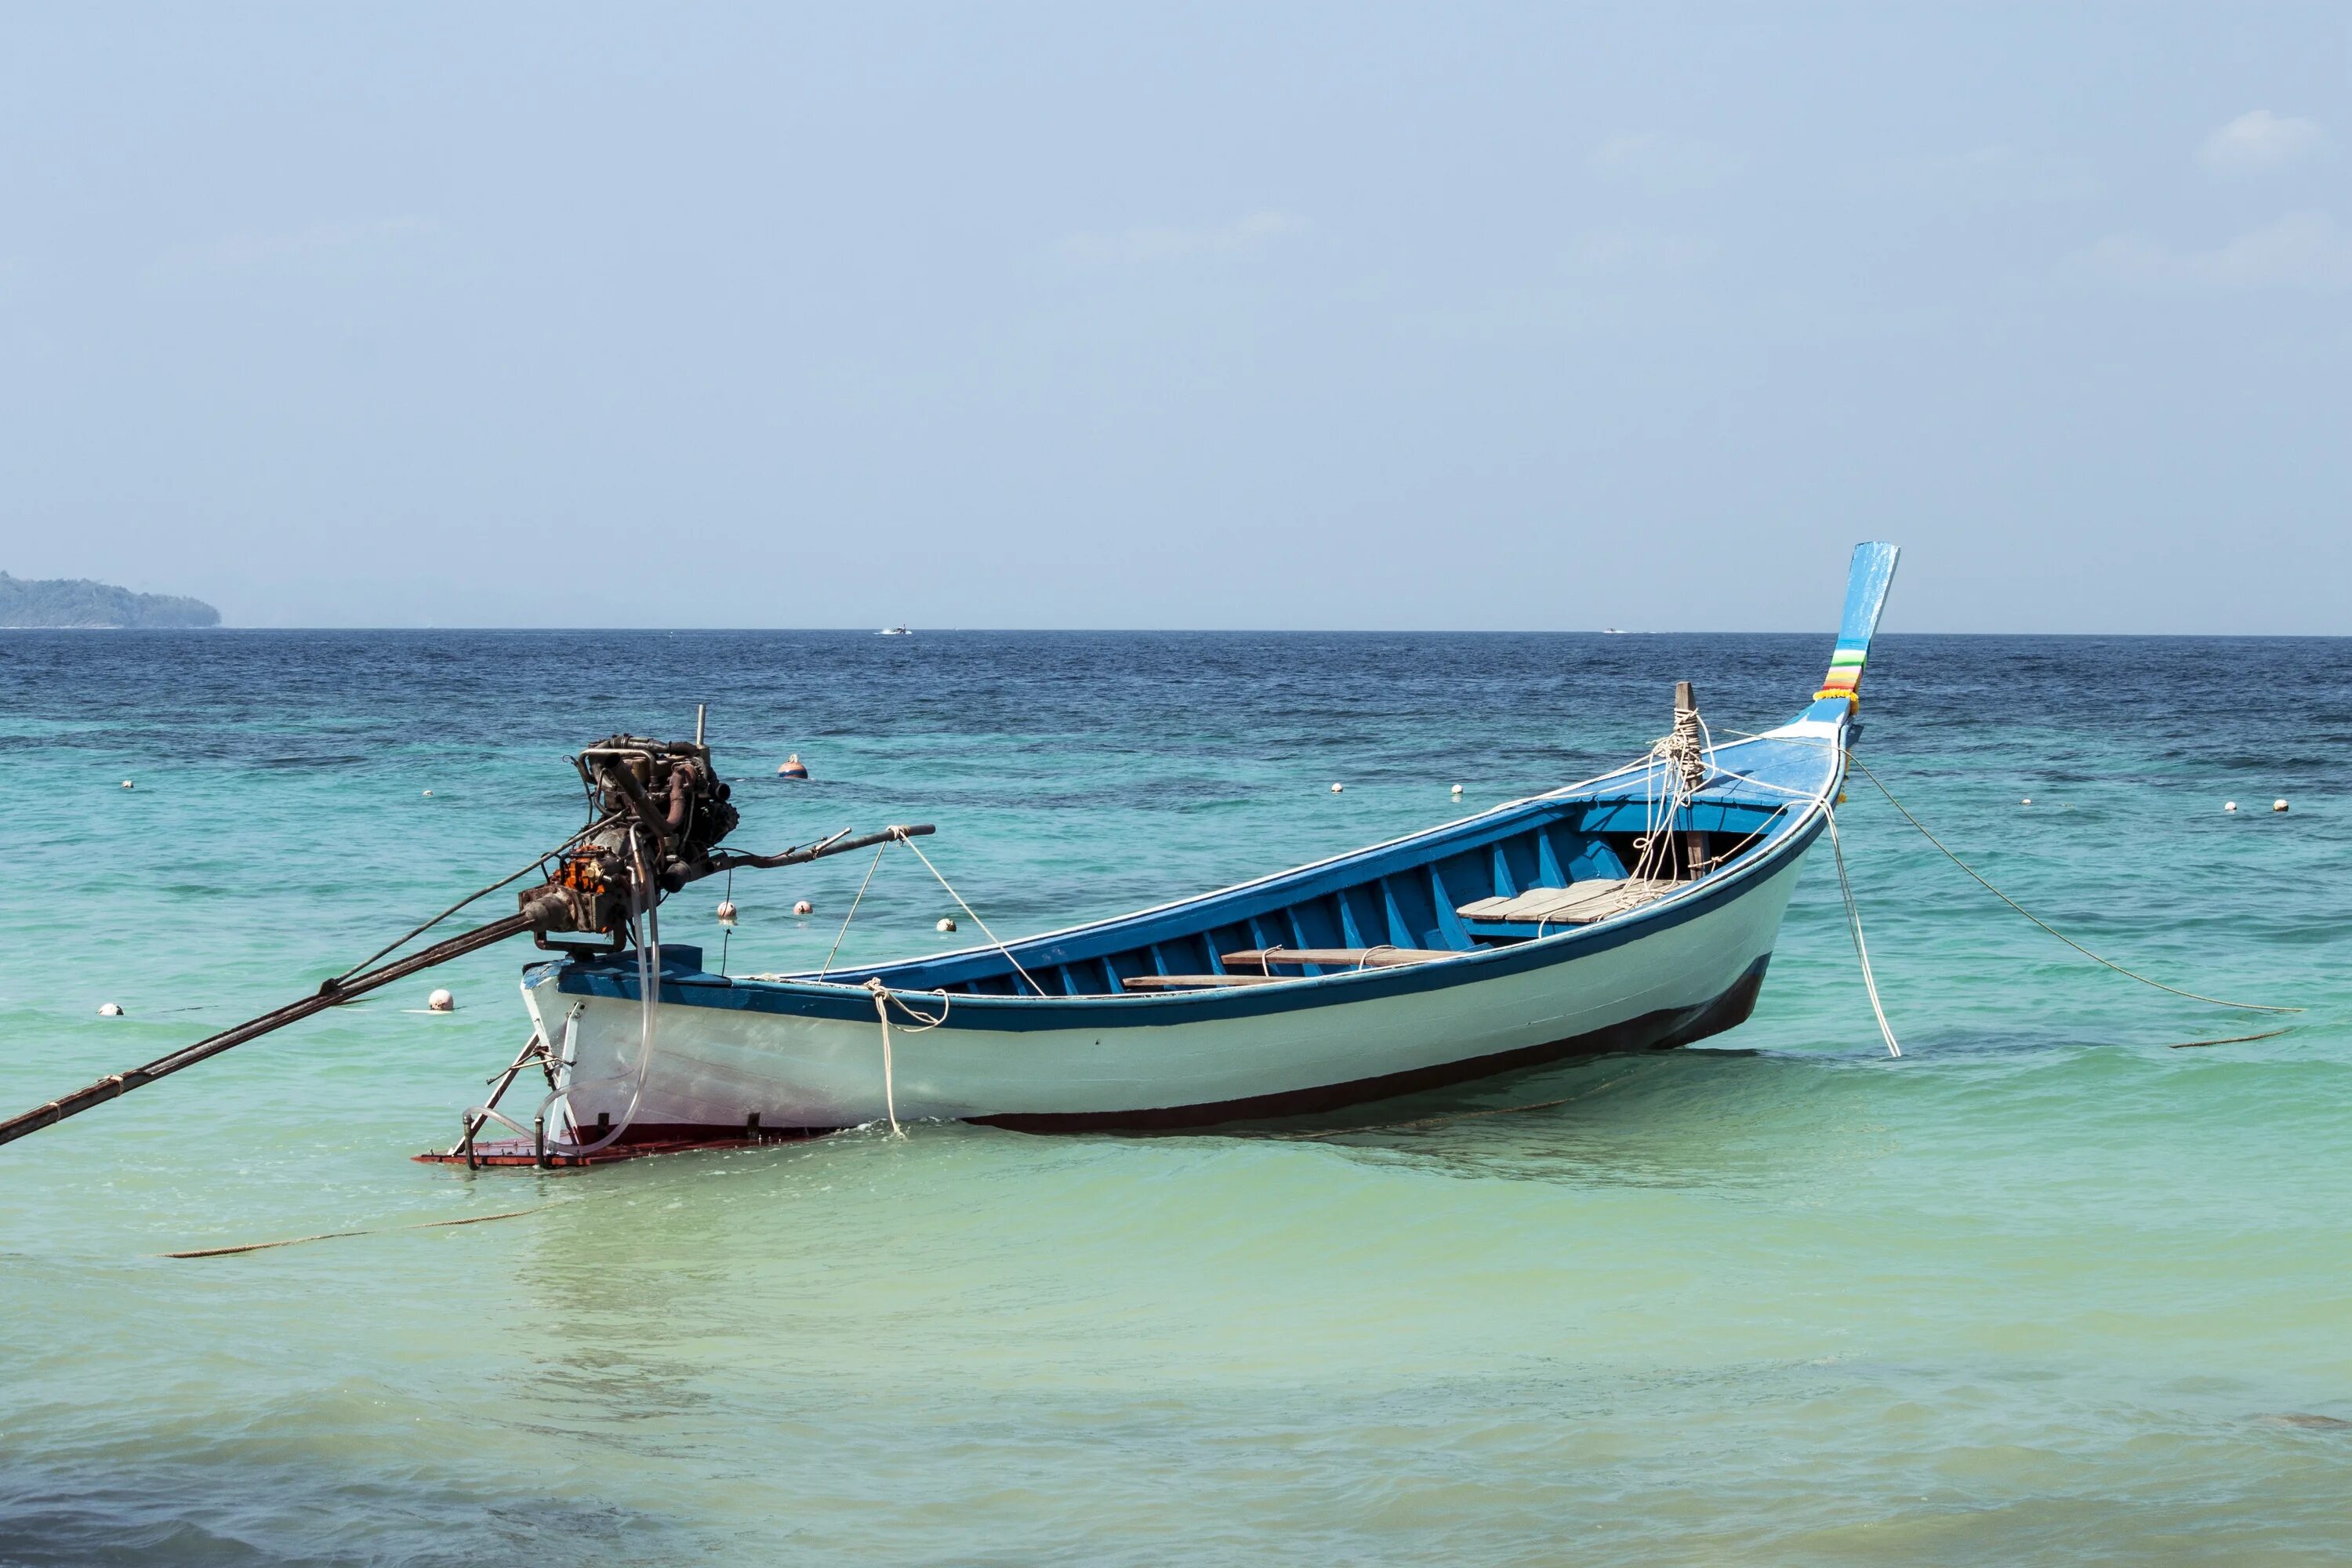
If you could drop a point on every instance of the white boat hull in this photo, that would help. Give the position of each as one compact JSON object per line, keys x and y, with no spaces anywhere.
{"x":717,"y":1065}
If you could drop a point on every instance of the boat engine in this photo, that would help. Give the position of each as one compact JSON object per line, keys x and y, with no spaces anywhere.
{"x":657,"y":810}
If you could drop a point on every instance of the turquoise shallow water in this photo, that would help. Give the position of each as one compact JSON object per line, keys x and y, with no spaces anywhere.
{"x":2045,"y":1290}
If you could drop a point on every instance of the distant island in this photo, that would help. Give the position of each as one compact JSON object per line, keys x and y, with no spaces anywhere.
{"x":79,"y":602}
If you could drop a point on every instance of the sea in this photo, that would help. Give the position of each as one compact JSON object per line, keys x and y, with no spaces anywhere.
{"x":2066,"y":1282}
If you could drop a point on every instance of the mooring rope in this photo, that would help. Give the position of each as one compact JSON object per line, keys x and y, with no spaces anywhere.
{"x":889,"y":1074}
{"x":961,"y":903}
{"x":879,"y":850}
{"x":2232,"y":1039}
{"x":340,"y":1235}
{"x":966,"y":908}
{"x":1853,"y":923}
{"x":726,"y":935}
{"x":882,"y":998}
{"x":2045,"y":925}
{"x":1986,"y":883}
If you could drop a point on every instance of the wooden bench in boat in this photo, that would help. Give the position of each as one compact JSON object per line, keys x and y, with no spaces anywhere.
{"x":1265,"y":960}
{"x":1197,"y":981}
{"x":1581,"y":903}
{"x":1333,"y":957}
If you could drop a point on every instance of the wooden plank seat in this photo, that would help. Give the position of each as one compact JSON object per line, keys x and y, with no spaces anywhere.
{"x":1581,"y":903}
{"x":1197,"y":981}
{"x":1263,"y":961}
{"x":1332,"y":957}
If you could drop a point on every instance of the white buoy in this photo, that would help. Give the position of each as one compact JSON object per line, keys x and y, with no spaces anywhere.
{"x":110,"y":1009}
{"x":1457,"y":790}
{"x":428,"y":794}
{"x":804,"y":908}
{"x":441,"y":1001}
{"x":1335,"y":788}
{"x":2229,"y":806}
{"x":2027,"y":801}
{"x":946,"y":925}
{"x":2278,"y":805}
{"x":726,"y":911}
{"x":126,"y":783}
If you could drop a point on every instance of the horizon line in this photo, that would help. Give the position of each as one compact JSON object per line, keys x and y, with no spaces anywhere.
{"x":1166,"y":631}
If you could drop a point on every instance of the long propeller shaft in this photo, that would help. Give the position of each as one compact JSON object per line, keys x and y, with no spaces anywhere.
{"x":115,"y":1085}
{"x":535,"y":915}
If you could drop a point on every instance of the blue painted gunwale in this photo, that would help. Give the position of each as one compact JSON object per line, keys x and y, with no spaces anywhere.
{"x":1806,"y":770}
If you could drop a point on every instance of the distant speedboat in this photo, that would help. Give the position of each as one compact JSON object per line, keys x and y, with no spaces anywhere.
{"x":1612,"y":631}
{"x":894,"y":632}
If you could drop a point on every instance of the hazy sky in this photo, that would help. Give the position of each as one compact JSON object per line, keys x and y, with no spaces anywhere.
{"x":1113,"y":316}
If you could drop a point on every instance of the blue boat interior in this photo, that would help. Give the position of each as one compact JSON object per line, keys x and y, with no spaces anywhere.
{"x":1403,"y":900}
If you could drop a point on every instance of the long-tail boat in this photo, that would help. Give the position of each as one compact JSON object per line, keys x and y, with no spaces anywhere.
{"x":1633,"y":911}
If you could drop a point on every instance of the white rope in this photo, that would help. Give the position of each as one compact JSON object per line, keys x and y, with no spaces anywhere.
{"x":1985,"y":882}
{"x":648,"y":956}
{"x":1861,"y":950}
{"x":852,"y":909}
{"x":1853,"y":912}
{"x":727,"y":936}
{"x":889,"y":1084}
{"x":966,"y":908}
{"x":2045,"y":925}
{"x":1680,"y":765}
{"x":900,"y":837}
{"x":883,"y":997}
